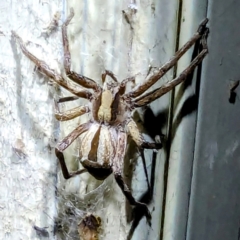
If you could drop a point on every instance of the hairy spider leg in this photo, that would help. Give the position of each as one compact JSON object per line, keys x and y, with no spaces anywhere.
{"x":117,"y":167}
{"x":67,"y":99}
{"x":65,"y":143}
{"x":124,"y":83}
{"x":77,"y":78}
{"x":167,"y":66}
{"x":137,"y":137}
{"x":127,"y":80}
{"x":69,"y":114}
{"x":66,"y":173}
{"x":157,"y":93}
{"x":45,"y":69}
{"x":110,"y":74}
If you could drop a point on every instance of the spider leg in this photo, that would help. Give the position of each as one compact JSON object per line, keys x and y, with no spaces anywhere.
{"x":45,"y":69}
{"x":117,"y":166}
{"x":66,"y":142}
{"x":69,"y":114}
{"x":155,"y":94}
{"x":126,"y":191}
{"x":165,"y":68}
{"x":126,"y":80}
{"x":66,"y":173}
{"x":67,"y":99}
{"x":110,"y":74}
{"x":77,"y":78}
{"x":124,"y":83}
{"x":138,"y":138}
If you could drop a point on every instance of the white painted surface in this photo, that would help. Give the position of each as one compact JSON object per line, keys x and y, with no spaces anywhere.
{"x":28,"y":166}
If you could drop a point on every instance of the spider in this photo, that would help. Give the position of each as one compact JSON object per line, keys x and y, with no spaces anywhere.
{"x":104,"y":136}
{"x":89,"y":226}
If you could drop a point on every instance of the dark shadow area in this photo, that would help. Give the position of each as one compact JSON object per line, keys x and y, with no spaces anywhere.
{"x":232,"y":94}
{"x":189,"y":106}
{"x":151,"y":127}
{"x":146,"y":198}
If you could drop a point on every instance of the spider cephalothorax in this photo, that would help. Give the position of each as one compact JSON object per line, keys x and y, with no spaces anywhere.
{"x":104,"y":136}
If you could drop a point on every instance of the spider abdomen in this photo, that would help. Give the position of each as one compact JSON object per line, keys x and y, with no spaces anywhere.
{"x":97,"y":149}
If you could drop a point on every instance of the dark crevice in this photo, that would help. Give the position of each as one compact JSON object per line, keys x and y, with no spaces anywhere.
{"x":197,"y":93}
{"x":170,"y":122}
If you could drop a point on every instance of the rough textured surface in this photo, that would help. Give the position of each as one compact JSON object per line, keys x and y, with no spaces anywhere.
{"x":28,"y":169}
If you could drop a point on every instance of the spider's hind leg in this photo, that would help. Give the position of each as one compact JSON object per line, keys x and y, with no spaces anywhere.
{"x":138,"y":138}
{"x":65,"y":143}
{"x":142,"y":144}
{"x":126,"y":191}
{"x":117,"y":167}
{"x":64,"y":168}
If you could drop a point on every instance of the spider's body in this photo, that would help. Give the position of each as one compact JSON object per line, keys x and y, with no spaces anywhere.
{"x":110,"y":108}
{"x":110,"y":123}
{"x":100,"y":151}
{"x":104,"y":136}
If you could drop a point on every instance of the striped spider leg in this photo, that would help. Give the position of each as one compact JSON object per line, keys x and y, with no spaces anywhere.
{"x":201,"y":33}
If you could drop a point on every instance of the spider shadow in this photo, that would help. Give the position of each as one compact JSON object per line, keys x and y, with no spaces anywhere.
{"x":153,"y":125}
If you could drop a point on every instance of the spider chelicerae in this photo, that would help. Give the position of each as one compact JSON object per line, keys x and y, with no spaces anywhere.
{"x":104,"y":136}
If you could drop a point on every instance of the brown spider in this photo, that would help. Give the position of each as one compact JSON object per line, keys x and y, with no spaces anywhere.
{"x":104,"y":139}
{"x":88,"y":228}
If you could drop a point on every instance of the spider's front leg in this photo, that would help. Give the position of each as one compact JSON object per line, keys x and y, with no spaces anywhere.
{"x":117,"y":167}
{"x":46,"y":70}
{"x":66,"y":142}
{"x":110,"y":74}
{"x":167,"y":66}
{"x":157,"y":93}
{"x":69,"y":114}
{"x":77,"y":78}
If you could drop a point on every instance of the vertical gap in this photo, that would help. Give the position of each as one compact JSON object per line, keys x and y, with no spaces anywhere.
{"x":170,"y":120}
{"x":197,"y":92}
{"x":198,"y":77}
